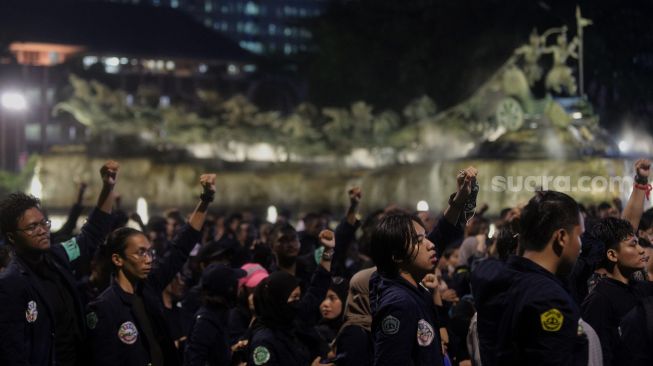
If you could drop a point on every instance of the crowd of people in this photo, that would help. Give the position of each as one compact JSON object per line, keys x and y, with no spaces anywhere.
{"x":549,"y":282}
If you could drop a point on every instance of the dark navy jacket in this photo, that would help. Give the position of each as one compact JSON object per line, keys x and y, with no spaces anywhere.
{"x":208,"y":341}
{"x":354,"y":345}
{"x":405,"y":326}
{"x":296,"y":346}
{"x":115,"y":336}
{"x":604,"y":308}
{"x":26,"y":319}
{"x":490,"y":282}
{"x":539,"y":324}
{"x":637,"y":335}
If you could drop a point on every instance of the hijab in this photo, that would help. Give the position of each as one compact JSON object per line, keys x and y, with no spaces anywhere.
{"x":271,"y":301}
{"x":357,"y":309}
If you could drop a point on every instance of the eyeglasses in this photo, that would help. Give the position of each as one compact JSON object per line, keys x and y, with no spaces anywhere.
{"x":142,"y":253}
{"x":32,"y":229}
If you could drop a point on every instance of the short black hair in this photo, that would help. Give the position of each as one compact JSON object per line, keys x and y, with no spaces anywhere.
{"x":604,"y":206}
{"x":506,"y":242}
{"x":117,"y":241}
{"x":545,"y":213}
{"x":12,"y":209}
{"x":646,"y":222}
{"x":279,"y":230}
{"x":610,"y":231}
{"x":311,"y":216}
{"x":392,"y":241}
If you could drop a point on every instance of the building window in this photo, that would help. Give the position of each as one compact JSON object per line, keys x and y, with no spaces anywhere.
{"x":251,"y":9}
{"x":251,"y":28}
{"x":287,"y":32}
{"x":54,"y":58}
{"x":208,"y":6}
{"x":174,"y":3}
{"x":287,"y":49}
{"x":272,"y":29}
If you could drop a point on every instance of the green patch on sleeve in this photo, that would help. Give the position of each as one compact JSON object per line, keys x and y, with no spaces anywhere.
{"x":72,"y":249}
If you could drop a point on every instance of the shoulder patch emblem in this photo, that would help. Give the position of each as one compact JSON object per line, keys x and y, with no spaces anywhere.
{"x":128,"y":333}
{"x":390,"y":325}
{"x":72,"y":249}
{"x":552,"y":320}
{"x":425,"y":333}
{"x":91,"y":320}
{"x":261,"y":355}
{"x":32,"y":312}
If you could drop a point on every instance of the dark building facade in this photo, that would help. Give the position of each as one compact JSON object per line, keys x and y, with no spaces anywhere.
{"x":124,"y":47}
{"x":262,"y":27}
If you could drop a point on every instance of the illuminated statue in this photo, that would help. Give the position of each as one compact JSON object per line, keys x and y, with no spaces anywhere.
{"x":560,"y":76}
{"x":533,"y":51}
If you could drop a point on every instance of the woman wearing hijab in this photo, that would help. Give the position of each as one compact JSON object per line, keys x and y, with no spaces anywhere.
{"x":331,"y":310}
{"x":354,"y":342}
{"x":282,"y":314}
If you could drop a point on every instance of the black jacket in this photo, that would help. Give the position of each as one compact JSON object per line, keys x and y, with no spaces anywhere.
{"x":115,"y":336}
{"x":27,"y":320}
{"x":539,"y":322}
{"x":208,"y":341}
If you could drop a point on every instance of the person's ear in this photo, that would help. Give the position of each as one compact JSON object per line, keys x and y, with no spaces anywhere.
{"x":612,"y":256}
{"x":560,"y":238}
{"x":11,"y":238}
{"x":117,"y":260}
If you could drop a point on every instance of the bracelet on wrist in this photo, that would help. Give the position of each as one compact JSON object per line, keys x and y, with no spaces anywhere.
{"x":207,"y":196}
{"x":644,"y":187}
{"x":327,"y":255}
{"x":641,"y":180}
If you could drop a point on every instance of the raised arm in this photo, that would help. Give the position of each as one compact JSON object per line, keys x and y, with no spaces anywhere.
{"x":464,"y":200}
{"x":68,"y":227}
{"x":98,"y":225}
{"x":449,"y":228}
{"x":109,"y":174}
{"x":641,"y":190}
{"x":310,"y":302}
{"x":346,"y":232}
{"x":173,"y":260}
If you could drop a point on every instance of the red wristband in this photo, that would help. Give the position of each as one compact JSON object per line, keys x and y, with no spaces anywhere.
{"x":644,"y":187}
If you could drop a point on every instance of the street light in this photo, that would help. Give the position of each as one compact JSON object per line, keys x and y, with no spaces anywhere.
{"x":11,"y":102}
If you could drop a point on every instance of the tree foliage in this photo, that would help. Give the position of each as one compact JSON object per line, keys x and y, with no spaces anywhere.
{"x":111,"y":115}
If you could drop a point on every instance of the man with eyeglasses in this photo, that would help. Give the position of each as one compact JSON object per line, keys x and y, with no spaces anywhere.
{"x":41,"y":319}
{"x":126,"y":323}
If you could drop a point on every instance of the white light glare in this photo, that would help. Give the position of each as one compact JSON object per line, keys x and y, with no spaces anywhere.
{"x":623,"y":146}
{"x":13,"y":101}
{"x":112,"y":61}
{"x":141,"y":209}
{"x":493,"y":229}
{"x":422,"y":206}
{"x":577,"y":115}
{"x":272,"y":215}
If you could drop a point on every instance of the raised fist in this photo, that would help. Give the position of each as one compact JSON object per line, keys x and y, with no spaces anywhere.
{"x":643,"y":168}
{"x":355,"y":195}
{"x":327,"y":239}
{"x":109,"y":172}
{"x":207,"y":181}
